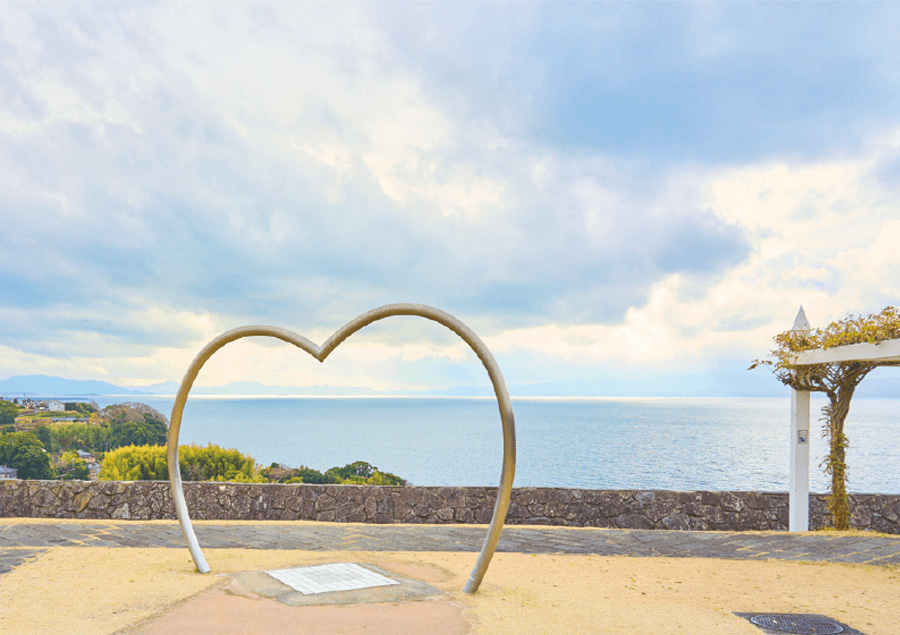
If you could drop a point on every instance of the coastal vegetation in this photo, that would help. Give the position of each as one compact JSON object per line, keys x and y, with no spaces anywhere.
{"x":71,"y":467}
{"x":8,"y":413}
{"x":213,"y":463}
{"x":838,"y":381}
{"x":79,"y":407}
{"x":39,"y":446}
{"x":24,"y":452}
{"x":196,"y":463}
{"x":356,"y":473}
{"x":99,"y":430}
{"x":128,"y":440}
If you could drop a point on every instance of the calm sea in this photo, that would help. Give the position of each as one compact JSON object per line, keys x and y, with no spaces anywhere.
{"x":678,"y":443}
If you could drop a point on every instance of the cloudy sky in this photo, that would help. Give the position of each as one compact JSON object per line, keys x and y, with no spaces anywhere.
{"x":619,"y":198}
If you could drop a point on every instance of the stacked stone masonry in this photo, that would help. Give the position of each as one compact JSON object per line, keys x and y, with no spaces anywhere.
{"x":146,"y":500}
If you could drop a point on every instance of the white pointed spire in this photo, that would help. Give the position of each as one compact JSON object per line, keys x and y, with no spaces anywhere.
{"x":800,"y":322}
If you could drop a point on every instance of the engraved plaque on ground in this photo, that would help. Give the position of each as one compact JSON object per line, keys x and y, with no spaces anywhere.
{"x":325,"y":578}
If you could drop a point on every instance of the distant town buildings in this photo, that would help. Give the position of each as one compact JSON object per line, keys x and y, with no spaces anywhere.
{"x":38,"y":405}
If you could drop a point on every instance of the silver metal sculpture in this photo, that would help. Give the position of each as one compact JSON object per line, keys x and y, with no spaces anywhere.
{"x":320,"y":353}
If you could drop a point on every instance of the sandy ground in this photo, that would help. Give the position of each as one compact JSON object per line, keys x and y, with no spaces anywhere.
{"x":149,"y":591}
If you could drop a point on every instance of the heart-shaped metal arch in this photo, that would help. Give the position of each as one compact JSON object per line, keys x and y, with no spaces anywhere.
{"x":320,"y":353}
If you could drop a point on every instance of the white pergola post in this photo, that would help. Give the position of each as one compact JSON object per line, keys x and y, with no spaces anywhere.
{"x":798,"y":494}
{"x":799,"y":487}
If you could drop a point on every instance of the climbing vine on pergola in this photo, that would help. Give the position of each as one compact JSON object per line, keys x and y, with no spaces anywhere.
{"x":837,"y":379}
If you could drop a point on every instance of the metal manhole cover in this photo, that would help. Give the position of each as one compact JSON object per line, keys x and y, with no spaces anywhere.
{"x":800,"y":624}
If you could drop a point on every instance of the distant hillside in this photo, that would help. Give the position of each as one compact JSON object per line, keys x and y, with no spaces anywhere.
{"x":47,"y":386}
{"x":883,"y":383}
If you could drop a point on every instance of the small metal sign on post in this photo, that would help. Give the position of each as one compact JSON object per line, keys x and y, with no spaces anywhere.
{"x":320,"y":353}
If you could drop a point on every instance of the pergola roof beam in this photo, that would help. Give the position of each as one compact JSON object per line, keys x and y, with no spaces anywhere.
{"x":885,"y":352}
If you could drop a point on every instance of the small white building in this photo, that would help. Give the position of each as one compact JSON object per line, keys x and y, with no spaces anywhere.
{"x":56,"y":406}
{"x":8,"y":473}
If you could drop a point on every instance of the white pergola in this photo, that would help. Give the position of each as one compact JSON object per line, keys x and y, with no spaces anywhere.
{"x":882,"y":352}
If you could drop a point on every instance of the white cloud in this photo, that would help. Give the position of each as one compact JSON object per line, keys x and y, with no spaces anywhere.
{"x":825,"y":237}
{"x":172,"y":171}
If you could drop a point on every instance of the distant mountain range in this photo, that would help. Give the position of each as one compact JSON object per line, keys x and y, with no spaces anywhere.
{"x":47,"y":386}
{"x":885,"y":385}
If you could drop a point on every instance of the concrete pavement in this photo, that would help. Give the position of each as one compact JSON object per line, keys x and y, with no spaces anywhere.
{"x":21,"y":540}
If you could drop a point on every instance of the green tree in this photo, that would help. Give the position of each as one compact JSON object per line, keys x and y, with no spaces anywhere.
{"x":69,"y":467}
{"x":309,"y":475}
{"x":25,"y":452}
{"x":385,"y":478}
{"x":133,"y":433}
{"x":213,"y":463}
{"x":362,"y":473}
{"x":8,"y":413}
{"x":838,"y":381}
{"x":33,"y":463}
{"x":49,"y":436}
{"x":79,"y":407}
{"x":351,"y":471}
{"x":135,"y":424}
{"x":196,"y":463}
{"x":135,"y":463}
{"x":82,"y":436}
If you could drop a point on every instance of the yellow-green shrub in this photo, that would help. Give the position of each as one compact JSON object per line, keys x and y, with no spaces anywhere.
{"x":196,"y":463}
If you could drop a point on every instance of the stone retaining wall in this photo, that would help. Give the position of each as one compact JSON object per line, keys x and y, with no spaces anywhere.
{"x":631,"y":509}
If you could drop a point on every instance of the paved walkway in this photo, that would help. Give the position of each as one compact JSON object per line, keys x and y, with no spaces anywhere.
{"x":21,"y":541}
